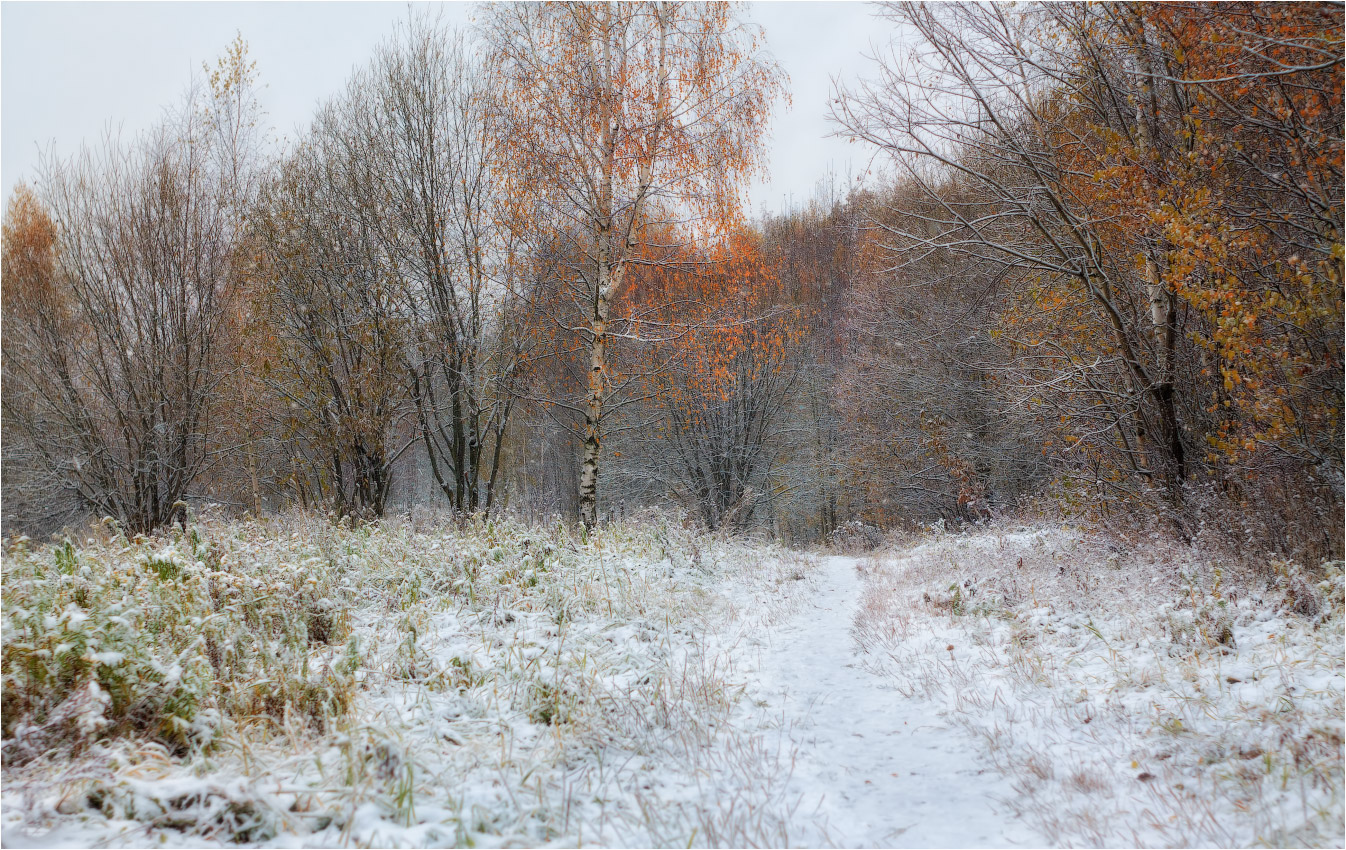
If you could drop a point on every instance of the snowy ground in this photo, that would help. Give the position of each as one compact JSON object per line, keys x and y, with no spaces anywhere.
{"x":295,"y":683}
{"x":1135,"y":693}
{"x":508,"y":686}
{"x":872,"y":767}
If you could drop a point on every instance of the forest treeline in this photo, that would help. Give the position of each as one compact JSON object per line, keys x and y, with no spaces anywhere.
{"x":510,"y":269}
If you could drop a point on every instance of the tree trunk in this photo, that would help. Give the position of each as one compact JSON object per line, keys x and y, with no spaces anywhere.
{"x":1164,"y":320}
{"x":594,"y":408}
{"x":598,"y":322}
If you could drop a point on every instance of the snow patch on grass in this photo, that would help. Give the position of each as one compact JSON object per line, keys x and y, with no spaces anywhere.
{"x":1137,"y":692}
{"x":295,"y":682}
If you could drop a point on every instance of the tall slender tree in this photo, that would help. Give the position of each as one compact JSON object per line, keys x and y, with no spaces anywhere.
{"x":335,"y":306}
{"x":436,"y":161}
{"x":612,"y":117}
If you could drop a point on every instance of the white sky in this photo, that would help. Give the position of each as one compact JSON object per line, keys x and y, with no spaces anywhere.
{"x":71,"y":70}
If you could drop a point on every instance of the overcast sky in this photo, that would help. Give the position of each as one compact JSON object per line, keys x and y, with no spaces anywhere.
{"x":71,"y":70}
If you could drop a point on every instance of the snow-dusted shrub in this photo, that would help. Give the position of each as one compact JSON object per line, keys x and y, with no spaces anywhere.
{"x":1206,"y":625}
{"x":856,"y":536}
{"x":163,"y":639}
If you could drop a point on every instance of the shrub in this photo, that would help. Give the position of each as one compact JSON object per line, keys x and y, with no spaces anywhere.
{"x":160,"y":639}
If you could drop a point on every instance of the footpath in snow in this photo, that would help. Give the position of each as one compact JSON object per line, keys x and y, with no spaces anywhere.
{"x":873,"y":768}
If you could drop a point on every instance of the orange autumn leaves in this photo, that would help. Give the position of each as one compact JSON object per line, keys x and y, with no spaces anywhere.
{"x":30,"y":258}
{"x":1227,"y":183}
{"x":725,"y":326}
{"x":1254,"y":215}
{"x":612,"y":117}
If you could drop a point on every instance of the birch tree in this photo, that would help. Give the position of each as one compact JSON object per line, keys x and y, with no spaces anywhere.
{"x":612,"y":117}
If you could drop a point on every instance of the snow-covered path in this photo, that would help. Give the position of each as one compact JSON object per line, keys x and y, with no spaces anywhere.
{"x":874,"y":768}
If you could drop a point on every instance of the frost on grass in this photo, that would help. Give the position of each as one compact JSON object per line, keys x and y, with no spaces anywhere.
{"x":1138,"y":693}
{"x":295,"y":682}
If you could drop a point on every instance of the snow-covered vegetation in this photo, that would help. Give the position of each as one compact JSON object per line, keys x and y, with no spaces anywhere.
{"x":296,"y":680}
{"x":304,"y":682}
{"x":1138,"y":693}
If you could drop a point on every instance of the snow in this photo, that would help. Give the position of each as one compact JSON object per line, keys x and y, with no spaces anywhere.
{"x":1158,"y":698}
{"x":1010,"y":687}
{"x":507,"y":690}
{"x":872,"y":768}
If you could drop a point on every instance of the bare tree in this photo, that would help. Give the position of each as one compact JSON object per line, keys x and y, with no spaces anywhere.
{"x":337,"y":308}
{"x":436,"y":158}
{"x":112,"y":352}
{"x":715,"y":394}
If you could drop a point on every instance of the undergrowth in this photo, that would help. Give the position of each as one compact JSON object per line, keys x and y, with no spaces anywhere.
{"x":477,"y":682}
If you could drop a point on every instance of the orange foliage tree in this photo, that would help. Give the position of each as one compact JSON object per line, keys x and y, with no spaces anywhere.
{"x":613,"y":117}
{"x":1220,"y":187}
{"x":1251,"y":214}
{"x":718,"y":387}
{"x":37,"y":326}
{"x":1157,"y":191}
